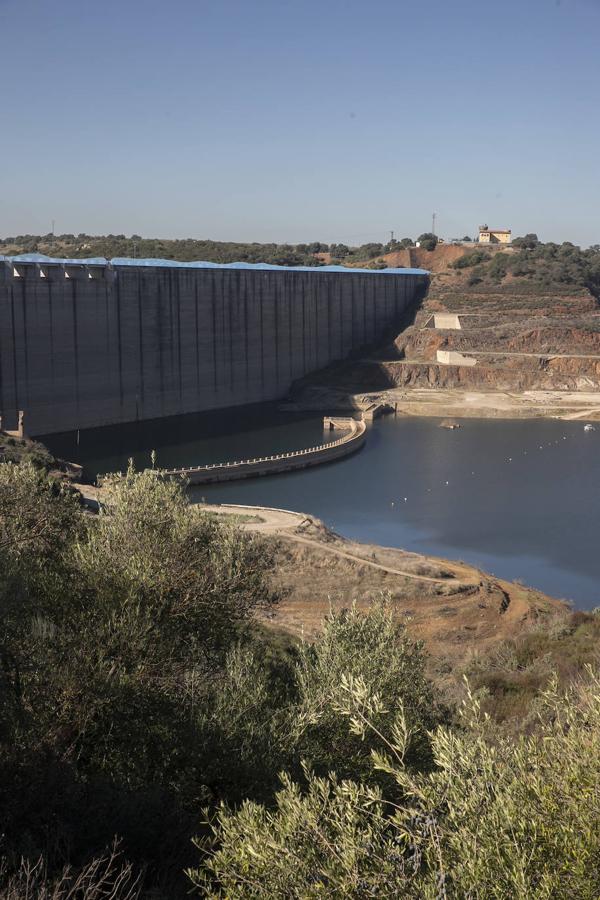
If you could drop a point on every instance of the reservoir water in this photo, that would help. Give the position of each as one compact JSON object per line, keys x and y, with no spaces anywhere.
{"x":518,"y":498}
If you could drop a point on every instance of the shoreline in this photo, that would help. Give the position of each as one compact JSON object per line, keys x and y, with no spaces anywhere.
{"x":449,"y":402}
{"x":456,"y":608}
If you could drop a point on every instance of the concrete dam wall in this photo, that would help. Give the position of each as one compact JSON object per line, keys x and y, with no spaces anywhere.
{"x":89,"y":343}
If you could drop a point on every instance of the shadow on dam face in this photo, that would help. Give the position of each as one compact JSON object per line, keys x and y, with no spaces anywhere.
{"x":90,"y":343}
{"x":191,"y":439}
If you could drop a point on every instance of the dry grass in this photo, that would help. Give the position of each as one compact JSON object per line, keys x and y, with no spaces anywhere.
{"x":108,"y":877}
{"x":457,"y":621}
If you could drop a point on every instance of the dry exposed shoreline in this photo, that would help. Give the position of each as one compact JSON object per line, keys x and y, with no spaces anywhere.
{"x":455,"y":608}
{"x":499,"y":405}
{"x":444,"y":402}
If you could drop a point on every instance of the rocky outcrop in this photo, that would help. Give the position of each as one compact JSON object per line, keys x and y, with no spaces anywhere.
{"x":551,"y":375}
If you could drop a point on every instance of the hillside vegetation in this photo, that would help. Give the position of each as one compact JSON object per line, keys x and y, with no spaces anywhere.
{"x":544,"y":266}
{"x":141,"y":701}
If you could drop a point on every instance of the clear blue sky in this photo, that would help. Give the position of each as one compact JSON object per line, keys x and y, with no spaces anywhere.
{"x":293,"y":121}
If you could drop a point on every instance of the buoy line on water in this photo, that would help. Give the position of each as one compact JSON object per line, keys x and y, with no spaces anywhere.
{"x":508,"y":459}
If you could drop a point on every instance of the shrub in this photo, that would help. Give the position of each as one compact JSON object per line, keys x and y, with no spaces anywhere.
{"x":115,"y":630}
{"x":374,"y":647}
{"x":428,"y":240}
{"x":470,"y":259}
{"x":496,"y":818}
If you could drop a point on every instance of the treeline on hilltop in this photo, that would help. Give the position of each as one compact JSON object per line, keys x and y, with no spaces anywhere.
{"x":188,"y":250}
{"x":142,"y":704}
{"x":110,"y":246}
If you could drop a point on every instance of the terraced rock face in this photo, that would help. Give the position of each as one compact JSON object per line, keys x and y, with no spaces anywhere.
{"x":536,"y":334}
{"x":510,"y":339}
{"x":520,"y":341}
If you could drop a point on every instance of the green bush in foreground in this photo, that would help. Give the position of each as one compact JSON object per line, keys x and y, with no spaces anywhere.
{"x":496,"y":818}
{"x":135,"y":686}
{"x":115,"y":632}
{"x":261,"y":725}
{"x":136,"y":690}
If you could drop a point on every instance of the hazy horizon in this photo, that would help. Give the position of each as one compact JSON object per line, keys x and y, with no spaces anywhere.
{"x":339,"y":122}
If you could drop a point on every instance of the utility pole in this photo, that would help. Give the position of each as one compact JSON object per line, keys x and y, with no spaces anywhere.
{"x":433,"y":223}
{"x":52,"y":227}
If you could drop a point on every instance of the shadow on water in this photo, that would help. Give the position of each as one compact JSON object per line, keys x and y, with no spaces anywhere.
{"x":195,"y":439}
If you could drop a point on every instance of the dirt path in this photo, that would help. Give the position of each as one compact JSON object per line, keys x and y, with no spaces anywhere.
{"x":284,"y":523}
{"x":522,"y":354}
{"x":367,"y":562}
{"x":457,"y":610}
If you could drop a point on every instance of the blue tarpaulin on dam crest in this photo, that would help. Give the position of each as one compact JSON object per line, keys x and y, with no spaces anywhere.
{"x":172,"y":263}
{"x":49,"y":260}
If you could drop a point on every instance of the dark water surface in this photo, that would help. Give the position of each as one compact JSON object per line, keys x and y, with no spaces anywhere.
{"x":518,"y":498}
{"x":192,"y":440}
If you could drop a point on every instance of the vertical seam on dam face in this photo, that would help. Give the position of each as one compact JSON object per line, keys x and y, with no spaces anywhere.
{"x":197,"y":329}
{"x":230,"y":330}
{"x":276,"y":320}
{"x":288,"y":293}
{"x":244,"y":294}
{"x":178,"y":308}
{"x":140,"y":335}
{"x":329,"y":347}
{"x":262,"y":344}
{"x":304,"y":330}
{"x":75,"y":343}
{"x":120,"y":348}
{"x":84,"y":344}
{"x":14,"y":350}
{"x":25,"y":342}
{"x":51,"y":334}
{"x":160,"y":328}
{"x":214,"y":330}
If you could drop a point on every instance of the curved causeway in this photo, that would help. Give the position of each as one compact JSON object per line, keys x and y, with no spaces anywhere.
{"x":279,"y":463}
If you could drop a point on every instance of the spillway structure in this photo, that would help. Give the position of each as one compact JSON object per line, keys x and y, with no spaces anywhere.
{"x":86,"y":343}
